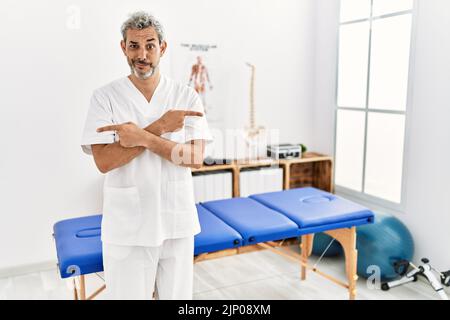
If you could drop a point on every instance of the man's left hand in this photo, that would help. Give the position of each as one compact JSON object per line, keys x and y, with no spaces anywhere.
{"x":130,"y":135}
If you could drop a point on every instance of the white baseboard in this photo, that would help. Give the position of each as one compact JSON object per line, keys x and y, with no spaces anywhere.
{"x":27,"y":268}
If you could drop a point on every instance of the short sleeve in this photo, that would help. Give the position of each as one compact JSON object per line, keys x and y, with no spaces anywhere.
{"x":196,"y":128}
{"x":99,"y":115}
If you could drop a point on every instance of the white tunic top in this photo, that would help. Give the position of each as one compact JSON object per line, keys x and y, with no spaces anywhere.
{"x":149,"y":199}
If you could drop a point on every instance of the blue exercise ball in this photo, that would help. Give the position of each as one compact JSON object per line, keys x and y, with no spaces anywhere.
{"x":321,"y":242}
{"x":381,"y":244}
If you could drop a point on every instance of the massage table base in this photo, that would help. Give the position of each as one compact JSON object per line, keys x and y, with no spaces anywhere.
{"x":346,"y":237}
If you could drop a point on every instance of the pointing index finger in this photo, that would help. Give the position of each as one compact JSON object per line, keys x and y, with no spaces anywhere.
{"x":193,"y":113}
{"x":109,"y":128}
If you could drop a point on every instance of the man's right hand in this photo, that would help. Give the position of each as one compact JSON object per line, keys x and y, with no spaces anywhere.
{"x":172,"y":121}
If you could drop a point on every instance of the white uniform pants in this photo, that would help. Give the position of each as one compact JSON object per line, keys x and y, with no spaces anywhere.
{"x":131,"y":271}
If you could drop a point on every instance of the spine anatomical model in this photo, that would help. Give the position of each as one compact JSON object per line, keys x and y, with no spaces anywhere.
{"x":253,"y":133}
{"x":253,"y":130}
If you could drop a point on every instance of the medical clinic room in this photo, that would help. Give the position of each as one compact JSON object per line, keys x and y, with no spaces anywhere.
{"x":225,"y":150}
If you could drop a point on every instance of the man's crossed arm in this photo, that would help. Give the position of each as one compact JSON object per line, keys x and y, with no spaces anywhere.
{"x":134,"y":140}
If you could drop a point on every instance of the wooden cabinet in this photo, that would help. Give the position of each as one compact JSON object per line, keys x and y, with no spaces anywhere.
{"x":312,"y":170}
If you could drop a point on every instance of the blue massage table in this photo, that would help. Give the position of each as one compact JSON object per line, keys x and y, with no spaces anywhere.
{"x":232,"y":226}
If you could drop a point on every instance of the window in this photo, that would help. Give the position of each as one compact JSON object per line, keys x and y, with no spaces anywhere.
{"x":371,"y":102}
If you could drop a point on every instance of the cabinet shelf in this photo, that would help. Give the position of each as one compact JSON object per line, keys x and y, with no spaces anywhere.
{"x":312,"y":170}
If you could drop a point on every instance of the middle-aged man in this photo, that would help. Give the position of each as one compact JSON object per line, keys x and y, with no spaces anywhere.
{"x":145,"y":132}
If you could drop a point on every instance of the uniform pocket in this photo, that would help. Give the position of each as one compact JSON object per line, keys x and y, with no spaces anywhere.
{"x":121,"y":211}
{"x":115,"y":252}
{"x":179,"y":195}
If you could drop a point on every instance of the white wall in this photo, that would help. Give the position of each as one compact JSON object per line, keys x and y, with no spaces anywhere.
{"x":325,"y":71}
{"x":427,"y":209}
{"x":428,"y":206}
{"x":49,"y":70}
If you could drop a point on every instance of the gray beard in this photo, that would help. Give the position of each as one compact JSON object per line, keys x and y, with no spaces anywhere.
{"x":144,"y":76}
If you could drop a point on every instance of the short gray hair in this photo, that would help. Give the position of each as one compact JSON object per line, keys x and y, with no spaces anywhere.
{"x":141,"y":20}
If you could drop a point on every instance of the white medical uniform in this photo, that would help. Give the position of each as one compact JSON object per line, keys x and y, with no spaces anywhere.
{"x":149,"y":214}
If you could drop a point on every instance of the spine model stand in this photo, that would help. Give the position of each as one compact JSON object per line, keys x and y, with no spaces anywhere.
{"x":410,"y":273}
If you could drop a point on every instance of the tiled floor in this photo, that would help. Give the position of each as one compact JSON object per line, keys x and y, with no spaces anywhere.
{"x":256,"y":275}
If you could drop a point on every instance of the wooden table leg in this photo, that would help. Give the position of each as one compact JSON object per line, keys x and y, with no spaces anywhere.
{"x":75,"y":291}
{"x":347,"y":238}
{"x":82,"y":288}
{"x":351,"y":258}
{"x":306,"y":249}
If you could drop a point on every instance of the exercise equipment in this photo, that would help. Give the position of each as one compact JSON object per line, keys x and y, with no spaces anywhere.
{"x":410,"y":273}
{"x":380,"y":244}
{"x":325,"y":246}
